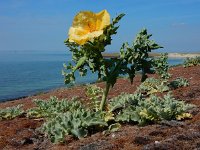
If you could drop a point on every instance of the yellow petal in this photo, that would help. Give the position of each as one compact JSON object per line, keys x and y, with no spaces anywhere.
{"x":83,"y":19}
{"x":94,"y":34}
{"x":77,"y":31}
{"x":77,"y":35}
{"x":103,"y":19}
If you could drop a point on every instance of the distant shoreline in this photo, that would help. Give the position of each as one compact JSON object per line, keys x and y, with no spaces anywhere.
{"x":183,"y":55}
{"x":170,"y":55}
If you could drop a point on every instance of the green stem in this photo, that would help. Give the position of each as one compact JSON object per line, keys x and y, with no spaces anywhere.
{"x":104,"y":97}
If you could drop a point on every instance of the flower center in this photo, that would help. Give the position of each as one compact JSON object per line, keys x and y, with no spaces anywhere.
{"x":91,"y":27}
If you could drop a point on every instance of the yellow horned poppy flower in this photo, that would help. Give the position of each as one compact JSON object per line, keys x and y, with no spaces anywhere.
{"x":88,"y":25}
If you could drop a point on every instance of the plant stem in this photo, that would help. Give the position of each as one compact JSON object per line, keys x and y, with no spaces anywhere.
{"x":104,"y":97}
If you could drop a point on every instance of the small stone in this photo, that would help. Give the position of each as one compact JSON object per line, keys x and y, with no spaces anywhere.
{"x":113,"y":135}
{"x":141,"y":140}
{"x":26,"y":141}
{"x":157,"y":142}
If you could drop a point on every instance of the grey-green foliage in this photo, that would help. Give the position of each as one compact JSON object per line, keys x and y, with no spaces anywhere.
{"x":136,"y":56}
{"x":50,"y":108}
{"x":76,"y":123}
{"x":179,"y":82}
{"x":161,"y":66}
{"x":153,"y":85}
{"x":135,"y":108}
{"x":94,"y":93}
{"x":65,"y":117}
{"x":11,"y":112}
{"x":123,"y":100}
{"x":191,"y":62}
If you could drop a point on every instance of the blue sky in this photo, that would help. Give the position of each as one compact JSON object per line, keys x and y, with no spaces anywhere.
{"x":42,"y":25}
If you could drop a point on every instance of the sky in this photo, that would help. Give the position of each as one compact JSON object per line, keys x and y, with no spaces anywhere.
{"x":42,"y":25}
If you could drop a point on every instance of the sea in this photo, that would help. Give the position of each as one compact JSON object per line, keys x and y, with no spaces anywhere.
{"x":26,"y":73}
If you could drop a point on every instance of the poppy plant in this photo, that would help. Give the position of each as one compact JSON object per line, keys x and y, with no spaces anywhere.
{"x":89,"y":35}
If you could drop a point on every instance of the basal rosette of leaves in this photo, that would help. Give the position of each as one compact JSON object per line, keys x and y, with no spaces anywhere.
{"x":64,"y":117}
{"x":11,"y":112}
{"x":153,"y":85}
{"x":76,"y":123}
{"x":67,"y":117}
{"x":53,"y":107}
{"x":136,"y":108}
{"x":178,"y":82}
{"x":189,"y":62}
{"x":88,"y":54}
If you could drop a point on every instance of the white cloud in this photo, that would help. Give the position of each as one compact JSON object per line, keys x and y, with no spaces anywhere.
{"x":179,"y":24}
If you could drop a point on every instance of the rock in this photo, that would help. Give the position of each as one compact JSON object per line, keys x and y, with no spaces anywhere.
{"x":141,"y":140}
{"x":97,"y":146}
{"x":172,"y":123}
